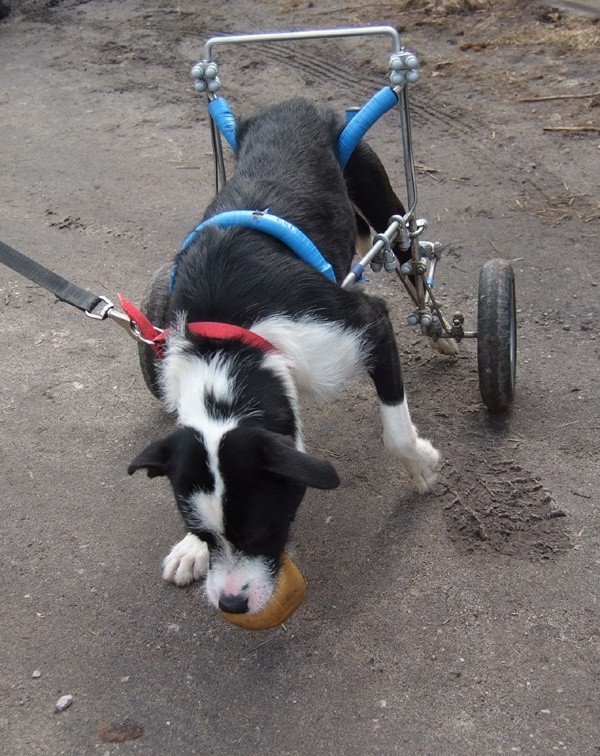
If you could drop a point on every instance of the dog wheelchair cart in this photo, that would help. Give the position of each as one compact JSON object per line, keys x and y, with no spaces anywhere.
{"x":496,"y":316}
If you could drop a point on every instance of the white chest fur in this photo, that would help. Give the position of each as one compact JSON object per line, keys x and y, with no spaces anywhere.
{"x":324,"y":357}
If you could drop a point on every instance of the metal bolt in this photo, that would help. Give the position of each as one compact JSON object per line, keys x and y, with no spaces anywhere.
{"x":396,"y":62}
{"x":197,"y":71}
{"x":211,"y":71}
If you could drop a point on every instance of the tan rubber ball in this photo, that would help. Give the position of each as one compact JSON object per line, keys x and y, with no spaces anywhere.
{"x":287,"y":597}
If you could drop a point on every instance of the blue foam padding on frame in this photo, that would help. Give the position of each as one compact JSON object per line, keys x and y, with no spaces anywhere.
{"x":362,"y":121}
{"x":221,"y":114}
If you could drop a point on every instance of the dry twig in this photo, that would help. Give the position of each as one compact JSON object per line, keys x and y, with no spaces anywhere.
{"x":558,"y":97}
{"x":573,"y":129}
{"x":426,"y":168}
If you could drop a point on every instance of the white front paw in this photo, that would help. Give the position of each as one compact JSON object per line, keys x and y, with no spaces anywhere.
{"x":422,"y":465}
{"x":187,"y":561}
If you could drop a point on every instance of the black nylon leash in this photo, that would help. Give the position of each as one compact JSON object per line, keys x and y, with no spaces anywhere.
{"x":68,"y":292}
{"x":61,"y":288}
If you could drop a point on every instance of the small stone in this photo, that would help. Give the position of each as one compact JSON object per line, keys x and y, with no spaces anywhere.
{"x":545,"y":712}
{"x":35,"y":674}
{"x":63,"y":703}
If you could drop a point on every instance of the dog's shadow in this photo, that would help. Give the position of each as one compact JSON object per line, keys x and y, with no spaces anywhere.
{"x":349,"y":542}
{"x":350,"y":565}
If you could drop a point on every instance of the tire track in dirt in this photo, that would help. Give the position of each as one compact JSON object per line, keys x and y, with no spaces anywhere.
{"x":364,"y":84}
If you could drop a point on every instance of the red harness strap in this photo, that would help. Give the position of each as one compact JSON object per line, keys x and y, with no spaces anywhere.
{"x":209,"y":330}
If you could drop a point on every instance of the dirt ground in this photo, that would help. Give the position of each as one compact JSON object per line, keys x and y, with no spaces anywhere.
{"x":461,"y":622}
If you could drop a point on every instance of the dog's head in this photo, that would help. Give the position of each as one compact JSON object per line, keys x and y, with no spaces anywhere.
{"x":238,"y":491}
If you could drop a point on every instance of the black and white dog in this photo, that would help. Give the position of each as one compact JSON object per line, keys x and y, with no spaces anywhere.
{"x":237,"y":463}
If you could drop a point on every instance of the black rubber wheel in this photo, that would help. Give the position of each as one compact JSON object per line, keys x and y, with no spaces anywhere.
{"x":497,"y":335}
{"x":154,"y":306}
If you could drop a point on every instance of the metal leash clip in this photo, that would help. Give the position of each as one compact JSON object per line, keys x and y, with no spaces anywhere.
{"x":107,"y":310}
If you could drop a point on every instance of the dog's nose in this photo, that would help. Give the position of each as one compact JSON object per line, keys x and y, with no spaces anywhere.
{"x":233,"y":604}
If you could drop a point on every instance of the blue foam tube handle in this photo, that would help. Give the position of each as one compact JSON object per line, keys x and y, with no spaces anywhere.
{"x":221,"y":114}
{"x":371,"y":112}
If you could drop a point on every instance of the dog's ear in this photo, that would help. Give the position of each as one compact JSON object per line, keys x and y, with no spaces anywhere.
{"x":279,"y":456}
{"x":156,"y":458}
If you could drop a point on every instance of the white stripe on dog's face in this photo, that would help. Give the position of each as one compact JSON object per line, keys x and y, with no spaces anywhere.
{"x":207,"y":510}
{"x":191,"y":386}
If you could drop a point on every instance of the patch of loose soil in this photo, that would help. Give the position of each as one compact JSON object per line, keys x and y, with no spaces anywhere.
{"x":503,"y":508}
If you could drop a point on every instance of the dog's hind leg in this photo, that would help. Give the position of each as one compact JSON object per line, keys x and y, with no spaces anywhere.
{"x":400,"y":437}
{"x":364,"y":233}
{"x":370,"y":190}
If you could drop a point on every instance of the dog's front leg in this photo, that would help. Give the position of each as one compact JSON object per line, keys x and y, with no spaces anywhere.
{"x":400,"y":437}
{"x":187,"y":561}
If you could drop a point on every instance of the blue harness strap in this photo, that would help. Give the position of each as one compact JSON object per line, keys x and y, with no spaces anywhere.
{"x":286,"y":232}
